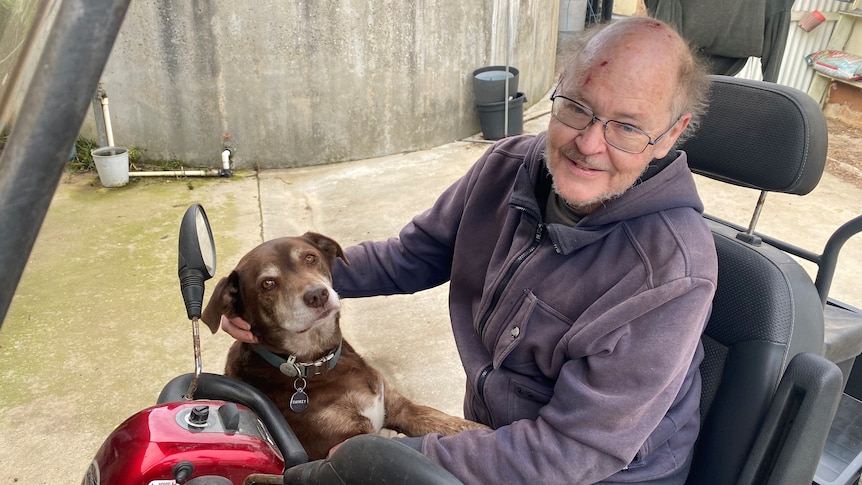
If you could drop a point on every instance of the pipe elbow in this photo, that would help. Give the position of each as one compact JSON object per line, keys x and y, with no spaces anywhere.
{"x":225,"y":162}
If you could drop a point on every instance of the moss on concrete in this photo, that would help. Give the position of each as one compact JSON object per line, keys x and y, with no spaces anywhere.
{"x":97,"y":325}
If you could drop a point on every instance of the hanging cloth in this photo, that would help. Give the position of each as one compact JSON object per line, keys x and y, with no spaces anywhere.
{"x":728,"y":32}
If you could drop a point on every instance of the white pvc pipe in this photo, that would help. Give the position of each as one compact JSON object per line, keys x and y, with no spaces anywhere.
{"x":106,"y":114}
{"x":506,"y":75}
{"x":225,"y":158}
{"x":210,"y":172}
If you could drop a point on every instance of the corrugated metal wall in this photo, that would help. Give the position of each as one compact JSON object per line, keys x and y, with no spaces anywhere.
{"x":794,"y":70}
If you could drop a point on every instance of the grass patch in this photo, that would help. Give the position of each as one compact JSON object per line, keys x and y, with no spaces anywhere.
{"x":156,"y":165}
{"x":81,"y":160}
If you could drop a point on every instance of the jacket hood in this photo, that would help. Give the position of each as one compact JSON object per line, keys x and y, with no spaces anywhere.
{"x":670,"y":188}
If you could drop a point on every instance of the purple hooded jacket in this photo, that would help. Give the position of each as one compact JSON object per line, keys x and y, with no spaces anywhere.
{"x":581,"y":345}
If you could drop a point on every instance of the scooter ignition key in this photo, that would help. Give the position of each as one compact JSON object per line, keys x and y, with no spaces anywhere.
{"x":198,"y":416}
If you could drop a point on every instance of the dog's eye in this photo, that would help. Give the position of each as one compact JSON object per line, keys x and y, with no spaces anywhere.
{"x":311,"y":259}
{"x":268,"y":284}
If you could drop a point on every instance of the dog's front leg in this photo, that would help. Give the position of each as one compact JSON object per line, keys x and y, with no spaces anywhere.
{"x":405,"y":416}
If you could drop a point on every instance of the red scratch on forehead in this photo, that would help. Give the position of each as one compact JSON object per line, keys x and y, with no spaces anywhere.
{"x":604,"y":63}
{"x":588,"y":79}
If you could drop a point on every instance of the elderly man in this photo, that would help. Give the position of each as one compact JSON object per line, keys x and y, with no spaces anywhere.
{"x":582,"y":276}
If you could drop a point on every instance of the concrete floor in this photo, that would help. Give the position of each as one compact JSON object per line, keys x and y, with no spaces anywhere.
{"x":98,"y":326}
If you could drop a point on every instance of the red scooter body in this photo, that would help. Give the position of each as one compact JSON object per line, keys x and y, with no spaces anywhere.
{"x":213,"y":438}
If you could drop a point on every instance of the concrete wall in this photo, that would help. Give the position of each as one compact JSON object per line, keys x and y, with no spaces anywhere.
{"x":307,"y":82}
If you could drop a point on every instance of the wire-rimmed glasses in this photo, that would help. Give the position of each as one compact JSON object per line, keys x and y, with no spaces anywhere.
{"x":622,"y":136}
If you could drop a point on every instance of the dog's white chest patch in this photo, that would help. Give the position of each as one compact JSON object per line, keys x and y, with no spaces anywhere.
{"x":376,"y":413}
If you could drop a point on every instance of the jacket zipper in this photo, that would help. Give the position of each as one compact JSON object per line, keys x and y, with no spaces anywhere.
{"x":510,"y":273}
{"x":480,"y":393}
{"x":495,"y":298}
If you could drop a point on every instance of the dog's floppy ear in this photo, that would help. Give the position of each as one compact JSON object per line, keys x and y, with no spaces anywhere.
{"x":225,"y":300}
{"x":327,"y":245}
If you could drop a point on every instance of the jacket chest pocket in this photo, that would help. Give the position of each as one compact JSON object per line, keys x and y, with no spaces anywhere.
{"x":529,"y":341}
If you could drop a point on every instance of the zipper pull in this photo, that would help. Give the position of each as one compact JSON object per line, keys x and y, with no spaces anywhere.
{"x":539,"y":230}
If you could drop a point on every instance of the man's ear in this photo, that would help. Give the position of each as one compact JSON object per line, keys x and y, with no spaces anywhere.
{"x":667,"y":142}
{"x":327,"y":245}
{"x":225,"y":300}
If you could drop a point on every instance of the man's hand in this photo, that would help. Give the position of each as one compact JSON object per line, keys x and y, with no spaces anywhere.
{"x":385,"y":432}
{"x":333,"y":450}
{"x":239,"y":329}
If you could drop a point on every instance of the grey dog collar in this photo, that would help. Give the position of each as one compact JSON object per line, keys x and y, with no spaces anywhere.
{"x":291,"y":368}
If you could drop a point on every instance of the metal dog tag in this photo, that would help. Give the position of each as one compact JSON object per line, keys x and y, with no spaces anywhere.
{"x":288,"y":369}
{"x":298,"y":401}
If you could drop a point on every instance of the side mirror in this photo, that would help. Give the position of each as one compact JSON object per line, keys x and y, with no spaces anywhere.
{"x":197,"y":258}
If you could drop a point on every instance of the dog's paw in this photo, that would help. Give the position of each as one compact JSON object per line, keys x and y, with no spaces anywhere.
{"x":391,"y":433}
{"x":457,"y":425}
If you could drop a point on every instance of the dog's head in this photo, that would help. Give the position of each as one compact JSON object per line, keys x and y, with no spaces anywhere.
{"x":283,"y":288}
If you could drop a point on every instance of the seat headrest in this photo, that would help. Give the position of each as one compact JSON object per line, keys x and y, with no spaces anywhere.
{"x":760,"y":135}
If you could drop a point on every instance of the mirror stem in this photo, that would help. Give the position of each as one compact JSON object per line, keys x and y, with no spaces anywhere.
{"x":196,"y":341}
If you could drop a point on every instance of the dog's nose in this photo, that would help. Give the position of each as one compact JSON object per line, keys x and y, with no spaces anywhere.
{"x":316,"y":296}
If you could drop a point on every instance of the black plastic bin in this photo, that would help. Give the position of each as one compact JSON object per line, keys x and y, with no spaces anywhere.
{"x":489,"y":84}
{"x":492,"y":117}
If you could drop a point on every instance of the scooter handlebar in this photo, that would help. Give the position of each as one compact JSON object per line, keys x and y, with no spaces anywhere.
{"x":215,"y":386}
{"x":369,"y":459}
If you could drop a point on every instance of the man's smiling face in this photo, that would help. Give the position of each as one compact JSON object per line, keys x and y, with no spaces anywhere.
{"x":619,"y":81}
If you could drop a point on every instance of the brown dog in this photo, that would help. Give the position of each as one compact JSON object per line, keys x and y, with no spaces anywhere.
{"x":325,"y":390}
